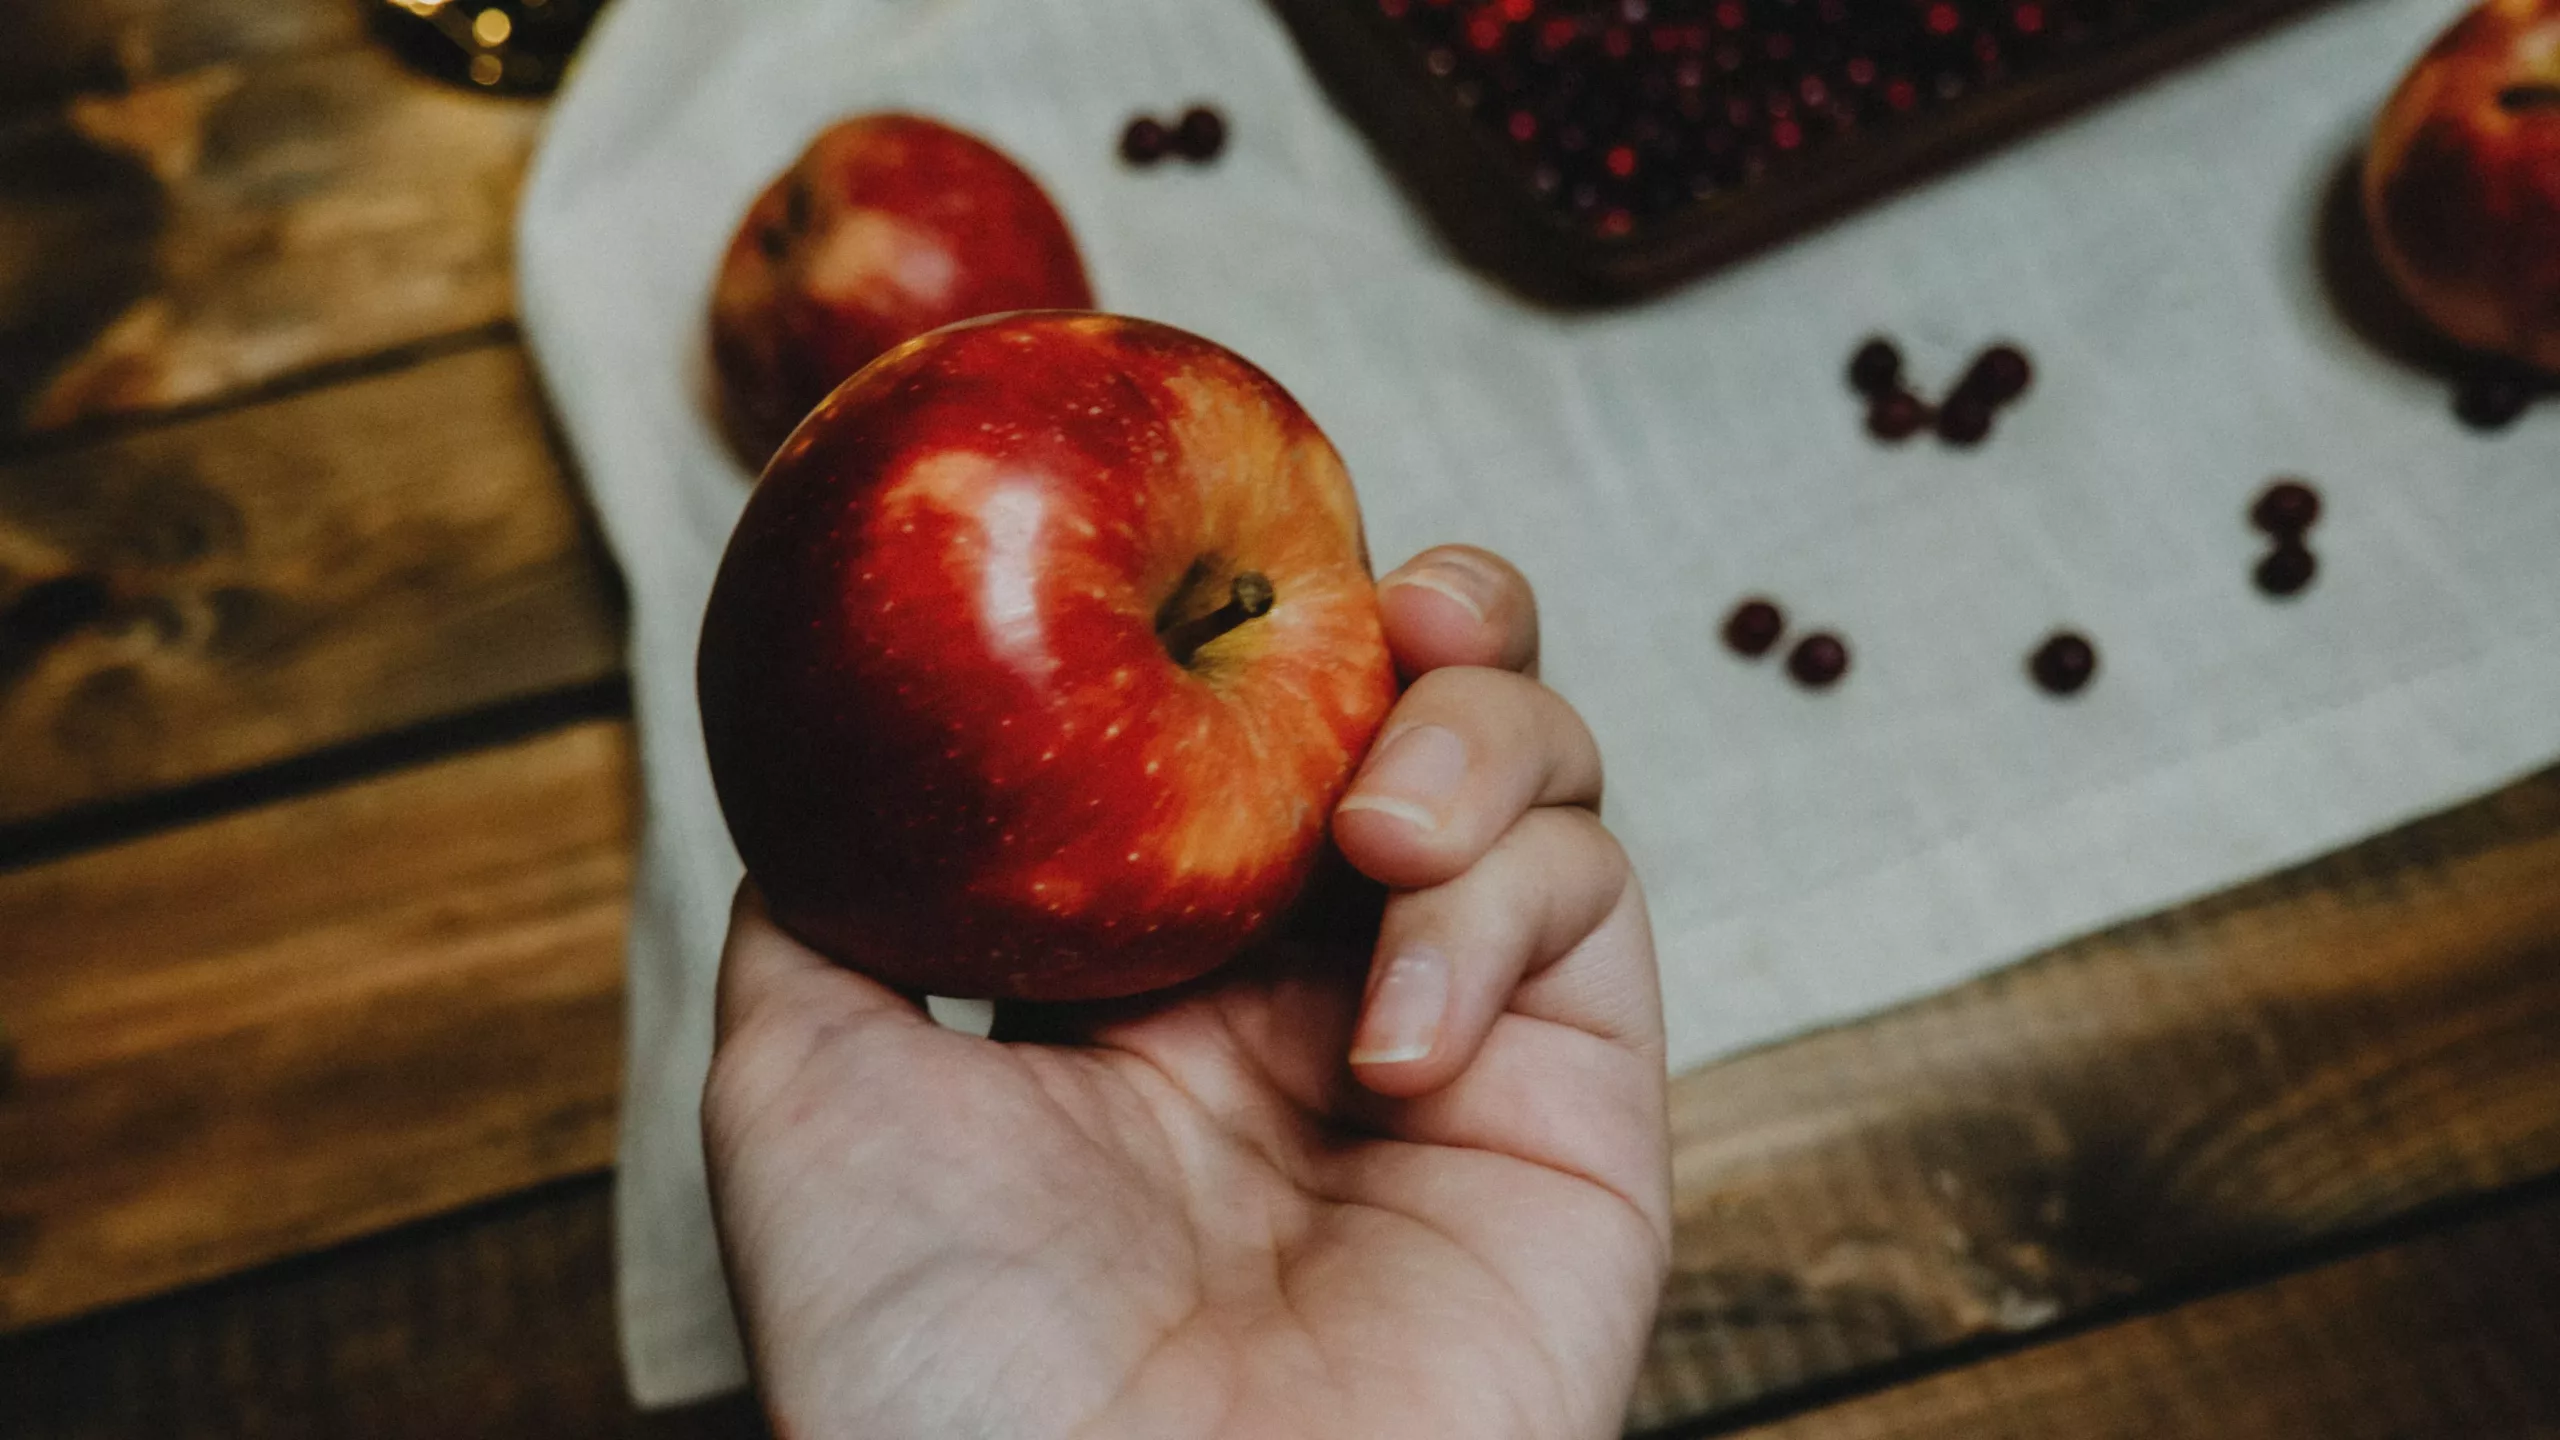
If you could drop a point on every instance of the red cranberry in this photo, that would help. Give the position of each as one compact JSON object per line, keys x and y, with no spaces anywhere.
{"x":2000,"y":374}
{"x":2286,"y":509}
{"x":1876,"y":368}
{"x":1202,"y":134}
{"x":1964,"y":420}
{"x":1145,"y":141}
{"x":1897,"y":414}
{"x":2287,"y":569}
{"x":1753,"y":627}
{"x":2064,"y":663}
{"x":1819,"y":660}
{"x":2492,"y":399}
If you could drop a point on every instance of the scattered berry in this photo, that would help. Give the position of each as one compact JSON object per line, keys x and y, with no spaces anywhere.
{"x":1819,"y":660}
{"x":1964,"y":420}
{"x":1896,"y":415}
{"x":2286,"y":509}
{"x":1202,"y":133}
{"x":1144,"y":142}
{"x":2287,"y":569}
{"x":1753,"y":627}
{"x":1876,"y":369}
{"x":2064,"y":663}
{"x":2492,"y":399}
{"x":1999,"y":375}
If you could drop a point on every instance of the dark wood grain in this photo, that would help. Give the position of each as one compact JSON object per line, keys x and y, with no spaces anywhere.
{"x":2296,"y":1059}
{"x":225,"y":228}
{"x":244,"y":587}
{"x":59,"y":48}
{"x":488,"y":1325}
{"x":260,"y":1035}
{"x":2454,"y":1336}
{"x":497,"y":1324}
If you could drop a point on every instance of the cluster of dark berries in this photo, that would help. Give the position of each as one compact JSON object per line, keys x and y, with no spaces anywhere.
{"x":2285,"y":512}
{"x":1198,"y":137}
{"x":1895,"y":412}
{"x":2492,"y":398}
{"x":1756,"y":625}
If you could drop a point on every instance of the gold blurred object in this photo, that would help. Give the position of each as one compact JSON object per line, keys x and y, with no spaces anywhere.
{"x":511,"y":46}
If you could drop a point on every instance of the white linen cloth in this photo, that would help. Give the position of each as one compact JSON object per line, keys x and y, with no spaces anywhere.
{"x":1810,"y":857}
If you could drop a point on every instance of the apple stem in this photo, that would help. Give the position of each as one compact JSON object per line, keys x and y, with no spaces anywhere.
{"x":1248,"y":598}
{"x":2518,"y":98}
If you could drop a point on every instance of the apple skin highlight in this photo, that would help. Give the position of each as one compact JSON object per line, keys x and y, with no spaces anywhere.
{"x":947,"y":729}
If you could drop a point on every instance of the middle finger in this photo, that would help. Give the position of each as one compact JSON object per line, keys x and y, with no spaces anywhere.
{"x":1466,"y":752}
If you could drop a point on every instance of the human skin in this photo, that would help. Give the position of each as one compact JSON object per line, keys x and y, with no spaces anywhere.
{"x":1401,"y":1173}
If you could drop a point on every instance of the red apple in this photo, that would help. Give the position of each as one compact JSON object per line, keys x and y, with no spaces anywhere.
{"x":1039,"y":658}
{"x":888,"y":226}
{"x":2462,"y":183}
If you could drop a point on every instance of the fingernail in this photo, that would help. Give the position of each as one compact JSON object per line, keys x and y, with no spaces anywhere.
{"x":1402,"y":1021}
{"x":1413,"y":777}
{"x":1459,"y":576}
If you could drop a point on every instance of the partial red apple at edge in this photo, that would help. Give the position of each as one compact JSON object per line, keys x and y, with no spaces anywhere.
{"x":2462,"y":182}
{"x":886,"y":227}
{"x":1039,"y":658}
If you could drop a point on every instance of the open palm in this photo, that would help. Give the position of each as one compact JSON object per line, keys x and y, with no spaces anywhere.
{"x":1400,"y":1176}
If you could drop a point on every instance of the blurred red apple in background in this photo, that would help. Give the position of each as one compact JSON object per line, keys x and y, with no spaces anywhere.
{"x":886,"y":227}
{"x":1039,"y":658}
{"x":2462,"y":183}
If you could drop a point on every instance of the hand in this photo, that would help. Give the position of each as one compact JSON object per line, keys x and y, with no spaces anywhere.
{"x":1276,"y":1202}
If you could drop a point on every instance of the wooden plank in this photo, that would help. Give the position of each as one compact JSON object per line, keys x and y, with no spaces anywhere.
{"x":243,"y":587}
{"x":219,"y":230}
{"x":2454,"y":1335}
{"x":263,"y":1034}
{"x":2097,"y":1124}
{"x":497,"y":1324}
{"x":493,"y":1325}
{"x":2293,"y":1060}
{"x":58,"y":48}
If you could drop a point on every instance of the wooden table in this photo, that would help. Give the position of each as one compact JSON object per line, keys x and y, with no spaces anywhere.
{"x":315,"y":836}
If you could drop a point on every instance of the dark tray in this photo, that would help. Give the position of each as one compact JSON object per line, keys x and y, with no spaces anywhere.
{"x":1597,"y":150}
